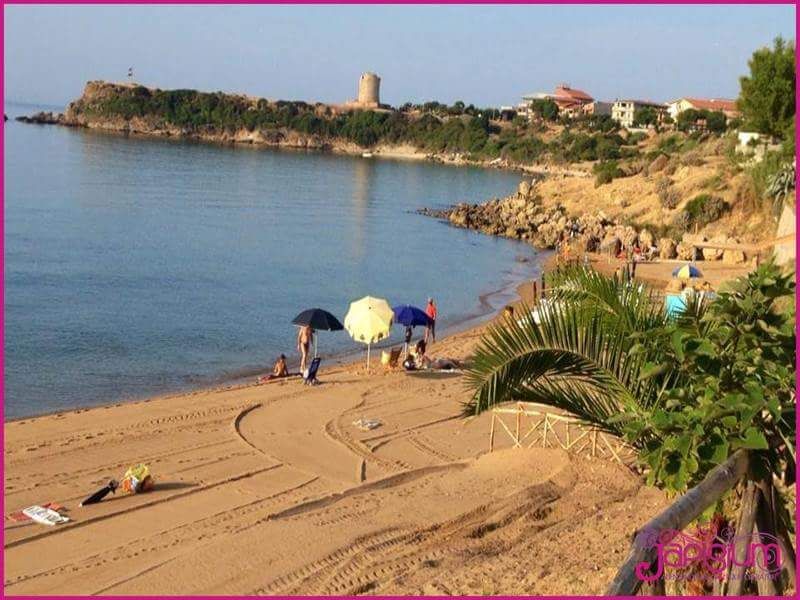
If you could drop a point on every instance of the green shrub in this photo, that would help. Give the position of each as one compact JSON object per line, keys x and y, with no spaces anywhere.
{"x":635,"y":138}
{"x":606,"y":172}
{"x":704,"y":209}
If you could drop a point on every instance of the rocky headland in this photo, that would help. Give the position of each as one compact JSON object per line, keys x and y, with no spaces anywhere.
{"x":524,"y":216}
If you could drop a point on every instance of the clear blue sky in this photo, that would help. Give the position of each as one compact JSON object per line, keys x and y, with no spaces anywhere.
{"x":479,"y":54}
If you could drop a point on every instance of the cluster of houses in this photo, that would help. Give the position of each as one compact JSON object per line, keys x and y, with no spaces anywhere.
{"x":573,"y":103}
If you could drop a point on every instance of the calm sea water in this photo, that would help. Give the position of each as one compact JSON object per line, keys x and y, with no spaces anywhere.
{"x":138,"y":267}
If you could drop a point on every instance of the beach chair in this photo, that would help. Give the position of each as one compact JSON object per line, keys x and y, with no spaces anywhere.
{"x":310,"y":376}
{"x":390,"y":359}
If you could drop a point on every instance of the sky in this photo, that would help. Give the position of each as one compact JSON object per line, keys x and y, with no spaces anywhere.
{"x":484,"y":55}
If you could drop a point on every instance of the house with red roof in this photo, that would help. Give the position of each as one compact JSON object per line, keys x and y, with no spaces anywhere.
{"x":570,"y":101}
{"x":726,"y":107}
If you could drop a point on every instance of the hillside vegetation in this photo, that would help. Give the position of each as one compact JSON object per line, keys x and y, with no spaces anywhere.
{"x":477,"y":134}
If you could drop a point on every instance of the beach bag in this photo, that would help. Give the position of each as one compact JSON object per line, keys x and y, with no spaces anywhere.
{"x":137,"y":479}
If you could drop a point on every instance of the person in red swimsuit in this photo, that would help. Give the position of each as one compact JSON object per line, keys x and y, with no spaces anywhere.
{"x":432,"y":312}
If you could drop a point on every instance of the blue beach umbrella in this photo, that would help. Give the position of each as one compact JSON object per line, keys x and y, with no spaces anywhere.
{"x":410,"y":316}
{"x":687,"y":272}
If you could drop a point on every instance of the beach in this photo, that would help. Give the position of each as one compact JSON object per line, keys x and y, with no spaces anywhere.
{"x":274,"y":489}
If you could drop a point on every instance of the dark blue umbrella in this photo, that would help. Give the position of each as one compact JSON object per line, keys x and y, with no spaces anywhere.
{"x":318,"y":319}
{"x":410,"y":316}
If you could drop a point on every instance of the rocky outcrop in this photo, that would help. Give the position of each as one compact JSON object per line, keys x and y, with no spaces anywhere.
{"x":658,"y":164}
{"x":667,"y":249}
{"x":43,"y":118}
{"x":522,"y":216}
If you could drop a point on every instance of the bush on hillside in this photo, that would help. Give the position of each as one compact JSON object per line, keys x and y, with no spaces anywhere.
{"x":667,"y":195}
{"x":704,"y":209}
{"x":606,"y":172}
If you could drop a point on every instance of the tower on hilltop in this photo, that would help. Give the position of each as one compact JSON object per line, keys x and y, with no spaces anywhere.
{"x":369,"y":90}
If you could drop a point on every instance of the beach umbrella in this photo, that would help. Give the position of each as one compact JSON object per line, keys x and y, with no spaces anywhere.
{"x":319,"y":320}
{"x":410,"y":316}
{"x":369,"y":320}
{"x":687,"y":272}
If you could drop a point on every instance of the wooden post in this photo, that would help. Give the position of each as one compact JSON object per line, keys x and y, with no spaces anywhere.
{"x":766,"y":586}
{"x":744,"y":536}
{"x":491,"y":434}
{"x":682,"y":512}
{"x":768,"y":524}
{"x":654,"y":589}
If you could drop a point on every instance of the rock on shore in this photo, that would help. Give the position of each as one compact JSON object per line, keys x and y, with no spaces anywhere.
{"x":523,"y":216}
{"x":43,"y":118}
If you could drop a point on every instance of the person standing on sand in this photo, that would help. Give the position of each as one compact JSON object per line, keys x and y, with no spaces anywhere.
{"x":432,"y":312}
{"x":304,"y":338}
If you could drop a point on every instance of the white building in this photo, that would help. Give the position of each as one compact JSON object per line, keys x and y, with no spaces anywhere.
{"x":624,"y":111}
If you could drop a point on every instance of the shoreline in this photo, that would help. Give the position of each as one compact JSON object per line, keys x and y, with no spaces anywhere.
{"x":306,"y":143}
{"x":397,"y":505}
{"x":336,"y":361}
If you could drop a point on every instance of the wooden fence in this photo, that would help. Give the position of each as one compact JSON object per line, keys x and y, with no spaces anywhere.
{"x":531,"y":427}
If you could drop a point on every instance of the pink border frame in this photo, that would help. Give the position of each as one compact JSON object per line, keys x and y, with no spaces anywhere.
{"x":315,"y":2}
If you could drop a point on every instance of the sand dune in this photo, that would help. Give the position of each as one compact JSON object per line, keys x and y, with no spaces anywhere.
{"x":272,"y":490}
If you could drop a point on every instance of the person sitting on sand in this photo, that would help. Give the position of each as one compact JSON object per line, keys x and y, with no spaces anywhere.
{"x":707,"y":292}
{"x":441,"y":364}
{"x":416,"y":358}
{"x":279,"y":370}
{"x":304,"y":338}
{"x":419,"y":350}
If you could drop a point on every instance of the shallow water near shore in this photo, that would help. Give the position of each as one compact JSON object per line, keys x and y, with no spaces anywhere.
{"x":137,"y":267}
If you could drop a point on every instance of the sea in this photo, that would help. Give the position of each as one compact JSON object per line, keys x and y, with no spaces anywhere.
{"x":137,"y":267}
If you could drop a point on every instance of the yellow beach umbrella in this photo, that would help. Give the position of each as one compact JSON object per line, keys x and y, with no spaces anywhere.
{"x":369,"y":320}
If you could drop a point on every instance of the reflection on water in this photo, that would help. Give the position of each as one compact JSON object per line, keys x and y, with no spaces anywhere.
{"x":363,"y":172}
{"x":136,"y":267}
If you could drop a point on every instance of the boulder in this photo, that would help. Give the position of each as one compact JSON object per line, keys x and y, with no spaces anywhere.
{"x":590,"y":243}
{"x":715,"y":253}
{"x":688,"y":251}
{"x":610,"y":244}
{"x":646,"y":239}
{"x":547,"y":235}
{"x":667,"y":249}
{"x":734,"y":257}
{"x":658,"y":164}
{"x":524,"y":189}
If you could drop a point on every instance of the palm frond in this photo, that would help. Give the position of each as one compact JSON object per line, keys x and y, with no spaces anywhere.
{"x":583,"y":350}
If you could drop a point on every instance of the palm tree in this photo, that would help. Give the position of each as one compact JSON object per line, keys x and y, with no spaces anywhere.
{"x":580,"y":351}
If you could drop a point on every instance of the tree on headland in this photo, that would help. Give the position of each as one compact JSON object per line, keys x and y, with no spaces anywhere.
{"x":767,"y":96}
{"x":714,"y":121}
{"x":645,"y":117}
{"x":545,"y":108}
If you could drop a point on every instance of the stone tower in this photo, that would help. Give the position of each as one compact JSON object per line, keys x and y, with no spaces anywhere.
{"x":369,"y":90}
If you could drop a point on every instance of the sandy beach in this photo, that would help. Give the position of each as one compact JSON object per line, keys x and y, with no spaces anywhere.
{"x":272,"y":489}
